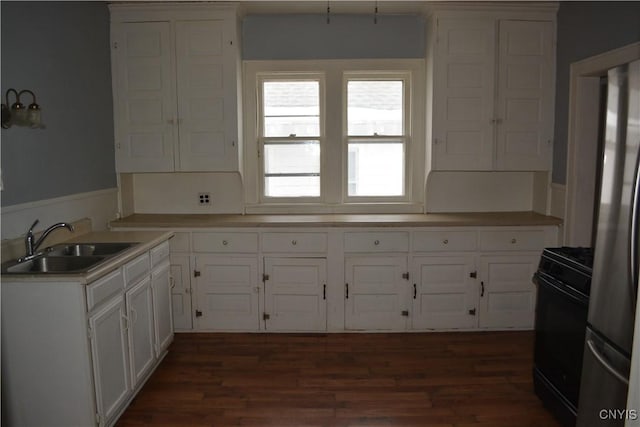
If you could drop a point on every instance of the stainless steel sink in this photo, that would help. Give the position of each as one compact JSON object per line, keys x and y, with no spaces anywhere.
{"x":55,"y":264}
{"x":67,"y":258}
{"x":87,"y":249}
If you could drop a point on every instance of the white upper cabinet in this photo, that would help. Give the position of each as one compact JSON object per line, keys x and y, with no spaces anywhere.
{"x":175,"y":86}
{"x":492,"y":93}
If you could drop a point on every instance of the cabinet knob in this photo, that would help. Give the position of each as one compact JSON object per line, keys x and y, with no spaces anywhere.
{"x":225,"y":243}
{"x":377,"y":242}
{"x":445,"y":241}
{"x":294,"y":242}
{"x":513,"y":241}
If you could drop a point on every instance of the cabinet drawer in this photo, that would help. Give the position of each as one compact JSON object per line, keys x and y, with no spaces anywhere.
{"x":294,"y":242}
{"x":384,"y":241}
{"x":180,"y":242}
{"x":136,"y":269}
{"x":225,"y":242}
{"x":431,"y":241}
{"x":159,"y":253}
{"x":513,"y":240}
{"x":104,"y":288}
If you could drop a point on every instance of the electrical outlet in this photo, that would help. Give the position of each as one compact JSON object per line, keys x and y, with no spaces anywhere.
{"x":204,"y":199}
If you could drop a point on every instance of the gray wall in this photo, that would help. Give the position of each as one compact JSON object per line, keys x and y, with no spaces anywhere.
{"x":586,"y":29}
{"x":60,"y":51}
{"x":346,"y":37}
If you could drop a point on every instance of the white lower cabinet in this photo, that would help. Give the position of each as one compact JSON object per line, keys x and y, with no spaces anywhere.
{"x":162,"y":313}
{"x":181,"y":292}
{"x":227,"y":293}
{"x":507,"y":295}
{"x":356,"y":279}
{"x":445,"y":292}
{"x":376,"y":293}
{"x":140,"y":329}
{"x":80,"y":352}
{"x":295,"y":296}
{"x":110,"y":355}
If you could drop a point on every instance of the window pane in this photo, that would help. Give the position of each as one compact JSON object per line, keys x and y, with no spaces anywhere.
{"x":292,"y":169}
{"x":376,"y":169}
{"x":301,"y":157}
{"x":375,"y":107}
{"x":291,"y":108}
{"x":292,"y":186}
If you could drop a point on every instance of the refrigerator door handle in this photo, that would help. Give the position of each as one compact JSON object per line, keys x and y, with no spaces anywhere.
{"x":633,"y":250}
{"x":600,"y":358}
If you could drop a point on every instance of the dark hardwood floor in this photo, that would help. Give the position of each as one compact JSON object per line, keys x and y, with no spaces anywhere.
{"x":422,"y":379}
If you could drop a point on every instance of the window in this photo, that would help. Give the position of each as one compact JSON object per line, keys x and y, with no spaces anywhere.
{"x":376,"y":135}
{"x":334,"y":136}
{"x":290,"y":132}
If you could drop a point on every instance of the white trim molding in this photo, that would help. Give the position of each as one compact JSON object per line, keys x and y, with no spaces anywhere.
{"x":582,"y":144}
{"x":100,"y":206}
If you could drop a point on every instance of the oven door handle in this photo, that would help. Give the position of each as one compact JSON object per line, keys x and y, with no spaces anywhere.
{"x":547,"y":282}
{"x":605,"y":364}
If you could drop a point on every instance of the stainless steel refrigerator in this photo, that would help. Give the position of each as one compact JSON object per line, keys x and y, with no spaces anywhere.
{"x":614,"y":284}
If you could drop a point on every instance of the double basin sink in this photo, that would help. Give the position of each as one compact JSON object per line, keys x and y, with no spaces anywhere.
{"x":67,"y":258}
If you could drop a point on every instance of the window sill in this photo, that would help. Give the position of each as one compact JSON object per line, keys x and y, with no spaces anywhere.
{"x":347,"y":208}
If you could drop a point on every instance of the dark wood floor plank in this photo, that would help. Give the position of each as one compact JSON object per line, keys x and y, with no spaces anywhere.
{"x":335,"y":380}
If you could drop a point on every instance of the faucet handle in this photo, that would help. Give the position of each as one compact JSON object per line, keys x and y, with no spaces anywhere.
{"x":33,"y":226}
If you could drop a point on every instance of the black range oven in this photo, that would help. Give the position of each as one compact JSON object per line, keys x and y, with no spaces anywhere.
{"x":563,"y":279}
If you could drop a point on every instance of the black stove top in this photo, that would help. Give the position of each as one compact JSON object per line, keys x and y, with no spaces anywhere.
{"x":570,"y":265}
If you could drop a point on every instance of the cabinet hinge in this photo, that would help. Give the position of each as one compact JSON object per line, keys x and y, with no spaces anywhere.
{"x":473,"y":274}
{"x":196,"y":273}
{"x":265,"y":277}
{"x":266,"y":316}
{"x":405,"y":313}
{"x":90,"y":333}
{"x":405,"y":276}
{"x":472,"y":312}
{"x":198,"y":313}
{"x":115,"y":45}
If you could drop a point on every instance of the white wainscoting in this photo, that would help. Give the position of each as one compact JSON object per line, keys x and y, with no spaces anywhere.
{"x":100,"y":206}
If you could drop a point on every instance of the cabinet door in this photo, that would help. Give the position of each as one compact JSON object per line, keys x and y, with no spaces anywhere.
{"x":181,"y":292}
{"x":206,"y":68}
{"x":144,"y":96}
{"x":507,"y":294}
{"x":227,"y":293}
{"x":376,"y":293}
{"x":525,"y":95}
{"x":163,"y":322}
{"x":140,"y":330}
{"x":463,"y":94}
{"x":445,"y":295}
{"x":295,"y":294}
{"x":109,"y":351}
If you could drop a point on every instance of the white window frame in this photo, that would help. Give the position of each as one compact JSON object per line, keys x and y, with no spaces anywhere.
{"x":288,"y":76}
{"x":405,"y":77}
{"x":333,"y":148}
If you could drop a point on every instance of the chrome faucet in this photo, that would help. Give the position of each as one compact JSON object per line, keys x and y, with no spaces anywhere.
{"x":32,"y":245}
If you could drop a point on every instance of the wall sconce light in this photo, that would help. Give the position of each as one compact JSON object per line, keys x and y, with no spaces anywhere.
{"x":18,"y":114}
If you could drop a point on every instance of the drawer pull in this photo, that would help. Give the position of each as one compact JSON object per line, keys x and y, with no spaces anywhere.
{"x":513,"y":241}
{"x":445,"y":241}
{"x":377,"y":242}
{"x":225,"y":243}
{"x":294,"y":242}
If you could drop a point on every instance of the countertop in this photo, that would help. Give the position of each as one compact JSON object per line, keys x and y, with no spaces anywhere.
{"x":145,"y":240}
{"x":175,"y":221}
